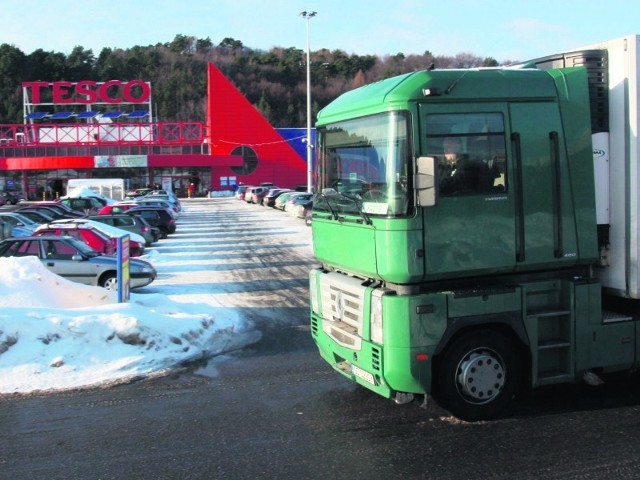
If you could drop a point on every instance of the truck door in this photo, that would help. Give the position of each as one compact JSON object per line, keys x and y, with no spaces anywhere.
{"x":544,"y":210}
{"x":471,"y":230}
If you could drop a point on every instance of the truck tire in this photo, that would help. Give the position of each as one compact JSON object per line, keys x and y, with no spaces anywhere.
{"x":479,"y":375}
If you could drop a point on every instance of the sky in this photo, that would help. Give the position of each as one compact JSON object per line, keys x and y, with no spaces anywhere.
{"x":58,"y":335}
{"x":514,"y":30}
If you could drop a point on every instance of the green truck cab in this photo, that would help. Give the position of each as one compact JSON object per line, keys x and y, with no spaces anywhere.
{"x":470,"y":237}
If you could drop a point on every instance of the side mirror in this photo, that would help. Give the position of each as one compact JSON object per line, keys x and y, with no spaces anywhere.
{"x":426,"y":181}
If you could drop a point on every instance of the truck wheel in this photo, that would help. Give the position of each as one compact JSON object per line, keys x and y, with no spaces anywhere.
{"x":110,"y":282}
{"x":479,"y":375}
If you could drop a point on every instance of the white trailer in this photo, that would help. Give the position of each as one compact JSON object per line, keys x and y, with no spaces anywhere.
{"x":618,"y":195}
{"x":614,"y":84}
{"x":107,"y":187}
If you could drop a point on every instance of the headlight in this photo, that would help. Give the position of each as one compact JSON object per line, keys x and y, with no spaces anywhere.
{"x":313,"y":291}
{"x":142,"y":266}
{"x":376,"y":316}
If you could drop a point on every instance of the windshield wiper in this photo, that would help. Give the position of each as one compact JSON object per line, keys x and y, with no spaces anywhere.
{"x":334,"y":214}
{"x":358,"y":203}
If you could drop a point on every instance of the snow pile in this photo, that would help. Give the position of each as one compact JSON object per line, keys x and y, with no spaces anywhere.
{"x":56,"y":334}
{"x":25,"y":282}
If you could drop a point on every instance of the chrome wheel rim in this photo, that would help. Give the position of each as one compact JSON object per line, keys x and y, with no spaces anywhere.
{"x":480,"y":376}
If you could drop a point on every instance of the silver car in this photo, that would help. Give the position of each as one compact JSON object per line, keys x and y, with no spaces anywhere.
{"x":75,"y":261}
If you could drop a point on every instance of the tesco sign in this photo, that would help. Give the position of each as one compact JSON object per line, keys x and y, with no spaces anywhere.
{"x":89,"y":92}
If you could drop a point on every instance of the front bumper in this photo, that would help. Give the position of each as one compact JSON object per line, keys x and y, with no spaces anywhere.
{"x":384,"y":370}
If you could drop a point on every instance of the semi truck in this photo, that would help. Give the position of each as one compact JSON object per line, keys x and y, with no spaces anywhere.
{"x":477,"y":230}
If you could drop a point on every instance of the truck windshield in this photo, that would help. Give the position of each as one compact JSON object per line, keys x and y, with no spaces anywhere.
{"x":363,"y":166}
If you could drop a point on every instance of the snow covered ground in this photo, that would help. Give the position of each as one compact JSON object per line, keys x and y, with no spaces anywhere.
{"x":58,"y":335}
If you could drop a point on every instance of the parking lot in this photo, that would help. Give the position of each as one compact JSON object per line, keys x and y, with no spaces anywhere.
{"x":231,"y":253}
{"x":274,"y":409}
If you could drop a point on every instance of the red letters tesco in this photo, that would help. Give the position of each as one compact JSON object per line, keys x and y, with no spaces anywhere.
{"x":89,"y":92}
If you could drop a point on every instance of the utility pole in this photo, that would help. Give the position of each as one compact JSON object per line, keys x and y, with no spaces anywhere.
{"x":308,"y":16}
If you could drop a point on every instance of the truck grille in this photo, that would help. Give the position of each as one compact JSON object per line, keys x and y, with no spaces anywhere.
{"x":342,"y":300}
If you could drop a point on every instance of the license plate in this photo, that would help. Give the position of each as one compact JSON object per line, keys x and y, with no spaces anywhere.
{"x":366,"y":376}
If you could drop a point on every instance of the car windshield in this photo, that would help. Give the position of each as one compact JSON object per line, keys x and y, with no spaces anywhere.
{"x":364,"y":164}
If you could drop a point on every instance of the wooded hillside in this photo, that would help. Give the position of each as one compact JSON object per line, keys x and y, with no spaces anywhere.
{"x":274,"y":81}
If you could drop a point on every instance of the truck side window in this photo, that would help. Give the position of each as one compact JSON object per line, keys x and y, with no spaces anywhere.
{"x":470,"y":148}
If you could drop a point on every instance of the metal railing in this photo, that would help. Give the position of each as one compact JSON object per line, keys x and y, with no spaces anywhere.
{"x":23,"y":140}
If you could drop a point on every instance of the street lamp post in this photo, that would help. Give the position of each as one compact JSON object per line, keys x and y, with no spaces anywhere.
{"x":308,"y":16}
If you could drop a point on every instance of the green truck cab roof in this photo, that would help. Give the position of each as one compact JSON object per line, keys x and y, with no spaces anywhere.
{"x":490,"y":84}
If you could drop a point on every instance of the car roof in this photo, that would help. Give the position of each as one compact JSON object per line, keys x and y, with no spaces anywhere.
{"x":39,"y":237}
{"x":33,"y":206}
{"x":68,"y":226}
{"x":54,"y":238}
{"x":150,"y":207}
{"x":10,"y":212}
{"x":110,"y":215}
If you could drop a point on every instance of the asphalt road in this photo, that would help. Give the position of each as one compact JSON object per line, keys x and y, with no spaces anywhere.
{"x":274,"y":410}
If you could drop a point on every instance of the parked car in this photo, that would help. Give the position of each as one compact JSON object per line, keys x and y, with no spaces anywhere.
{"x":88,"y":205}
{"x":308,"y":215}
{"x":50,"y":211}
{"x":241,"y":191}
{"x":120,"y":207}
{"x":157,"y":217}
{"x":258,"y":197}
{"x":164,"y":193}
{"x":5,"y":230}
{"x":20,"y":226}
{"x":270,"y":197}
{"x":170,"y":199}
{"x":149,"y":202}
{"x":9,"y":197}
{"x":136,"y":242}
{"x":303,"y":208}
{"x":59,"y":207}
{"x":295,"y":200}
{"x":253,"y":193}
{"x":130,"y":223}
{"x":96,"y":238}
{"x":282,"y":199}
{"x":137,"y":192}
{"x":75,"y":261}
{"x":19,"y":218}
{"x":248,"y":195}
{"x":36,"y":215}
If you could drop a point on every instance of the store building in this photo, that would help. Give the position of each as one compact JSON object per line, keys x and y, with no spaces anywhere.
{"x":106,"y":130}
